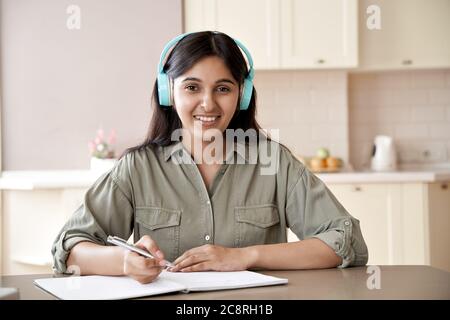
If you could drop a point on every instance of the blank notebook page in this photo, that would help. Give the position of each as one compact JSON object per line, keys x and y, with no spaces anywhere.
{"x":200,"y":281}
{"x":105,"y":287}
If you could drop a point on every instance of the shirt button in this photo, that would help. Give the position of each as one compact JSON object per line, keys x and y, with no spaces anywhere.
{"x":208,"y":202}
{"x":347,"y":223}
{"x":207,"y":237}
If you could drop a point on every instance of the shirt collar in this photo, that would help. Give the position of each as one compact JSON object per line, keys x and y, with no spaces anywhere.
{"x":241,"y":148}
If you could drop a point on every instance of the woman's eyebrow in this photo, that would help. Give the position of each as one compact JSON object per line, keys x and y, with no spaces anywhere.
{"x":225,"y":80}
{"x":191,"y":79}
{"x":218,"y":81}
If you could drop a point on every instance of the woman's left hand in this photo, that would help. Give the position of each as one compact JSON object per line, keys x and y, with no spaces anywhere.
{"x":212,"y":258}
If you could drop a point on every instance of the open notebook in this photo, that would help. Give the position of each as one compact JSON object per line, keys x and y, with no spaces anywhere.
{"x":106,"y":287}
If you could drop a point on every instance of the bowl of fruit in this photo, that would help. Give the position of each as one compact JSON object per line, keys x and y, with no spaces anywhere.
{"x":324,"y":162}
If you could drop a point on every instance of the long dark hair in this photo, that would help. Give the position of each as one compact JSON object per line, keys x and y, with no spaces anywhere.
{"x":183,"y":56}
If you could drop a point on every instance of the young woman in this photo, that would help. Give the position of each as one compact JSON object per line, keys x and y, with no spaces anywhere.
{"x":223,"y":215}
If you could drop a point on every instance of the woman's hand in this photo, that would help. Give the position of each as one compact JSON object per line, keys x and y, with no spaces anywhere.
{"x":140,"y":268}
{"x":212,"y":257}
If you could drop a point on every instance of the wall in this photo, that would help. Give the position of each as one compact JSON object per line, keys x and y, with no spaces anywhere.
{"x":308,"y":107}
{"x":411,"y":106}
{"x":60,"y":85}
{"x":344,"y":112}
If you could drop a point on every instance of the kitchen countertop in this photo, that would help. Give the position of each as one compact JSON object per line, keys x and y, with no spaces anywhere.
{"x":385,"y":177}
{"x":30,"y":180}
{"x":406,"y":173}
{"x":51,"y":179}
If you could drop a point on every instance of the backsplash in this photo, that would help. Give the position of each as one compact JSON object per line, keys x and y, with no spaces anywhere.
{"x":411,"y":106}
{"x":308,"y":107}
{"x":344,"y":112}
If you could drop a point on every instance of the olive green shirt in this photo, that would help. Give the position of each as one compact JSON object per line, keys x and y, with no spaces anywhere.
{"x":160,"y":192}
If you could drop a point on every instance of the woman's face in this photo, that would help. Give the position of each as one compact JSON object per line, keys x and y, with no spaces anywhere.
{"x":206,"y":97}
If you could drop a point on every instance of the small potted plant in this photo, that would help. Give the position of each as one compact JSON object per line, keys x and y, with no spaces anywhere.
{"x":102,"y":151}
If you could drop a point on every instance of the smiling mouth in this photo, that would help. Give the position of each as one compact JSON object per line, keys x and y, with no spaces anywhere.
{"x":204,"y":119}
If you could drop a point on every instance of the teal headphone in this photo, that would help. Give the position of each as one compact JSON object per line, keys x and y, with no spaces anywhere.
{"x":164,"y":83}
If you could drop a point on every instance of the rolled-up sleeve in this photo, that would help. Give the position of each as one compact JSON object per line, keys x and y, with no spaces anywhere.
{"x":314,"y":212}
{"x":107,"y":209}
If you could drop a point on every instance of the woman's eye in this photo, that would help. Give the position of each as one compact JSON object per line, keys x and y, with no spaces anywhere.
{"x":223,"y":89}
{"x":191,"y":88}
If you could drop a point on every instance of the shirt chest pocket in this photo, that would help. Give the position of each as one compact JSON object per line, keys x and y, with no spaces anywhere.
{"x":163,"y":226}
{"x":259,"y":224}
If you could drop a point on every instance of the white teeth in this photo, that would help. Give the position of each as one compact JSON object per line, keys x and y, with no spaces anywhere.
{"x":206,"y":119}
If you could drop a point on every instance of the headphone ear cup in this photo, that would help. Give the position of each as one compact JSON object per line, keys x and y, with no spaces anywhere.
{"x":164,"y":90}
{"x":246,"y":94}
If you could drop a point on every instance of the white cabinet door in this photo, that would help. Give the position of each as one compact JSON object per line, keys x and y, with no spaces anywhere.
{"x":413,"y":34}
{"x":393,"y":218}
{"x":319,"y":33}
{"x":402,"y":223}
{"x":370,"y":204}
{"x":439,"y":224}
{"x":31,"y":222}
{"x":254,"y":22}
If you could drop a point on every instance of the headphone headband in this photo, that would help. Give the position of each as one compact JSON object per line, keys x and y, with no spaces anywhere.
{"x":164,"y":85}
{"x":167,"y":47}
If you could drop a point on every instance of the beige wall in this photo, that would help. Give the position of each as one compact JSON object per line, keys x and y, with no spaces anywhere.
{"x":308,"y":107}
{"x":60,"y":85}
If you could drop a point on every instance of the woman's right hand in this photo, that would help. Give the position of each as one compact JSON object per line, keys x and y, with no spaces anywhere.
{"x":140,"y":268}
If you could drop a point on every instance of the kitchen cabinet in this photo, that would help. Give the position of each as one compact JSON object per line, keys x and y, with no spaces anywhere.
{"x":413,"y":34}
{"x":1,"y":236}
{"x":319,"y":34}
{"x":402,"y":223}
{"x":254,"y":22}
{"x":439,"y":224}
{"x":371,"y":204}
{"x":289,"y":34}
{"x":31,"y":222}
{"x":375,"y":218}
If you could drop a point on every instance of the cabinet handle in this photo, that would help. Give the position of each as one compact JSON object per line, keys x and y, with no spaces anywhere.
{"x":444,"y":186}
{"x":320,"y":61}
{"x":407,"y":62}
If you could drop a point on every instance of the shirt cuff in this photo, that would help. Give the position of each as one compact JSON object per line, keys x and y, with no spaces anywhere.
{"x":340,"y":241}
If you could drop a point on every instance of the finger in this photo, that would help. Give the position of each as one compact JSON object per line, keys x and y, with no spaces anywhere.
{"x":146,"y":278}
{"x":183,"y":261}
{"x":188,"y":253}
{"x":183,"y":256}
{"x":150,"y":245}
{"x":141,"y":265}
{"x":202,"y":266}
{"x":190,"y":260}
{"x":134,"y":266}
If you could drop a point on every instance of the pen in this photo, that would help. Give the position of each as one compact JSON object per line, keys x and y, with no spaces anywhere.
{"x":124,"y":244}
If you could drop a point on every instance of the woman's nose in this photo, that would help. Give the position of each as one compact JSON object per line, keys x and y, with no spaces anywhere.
{"x":208,"y":102}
